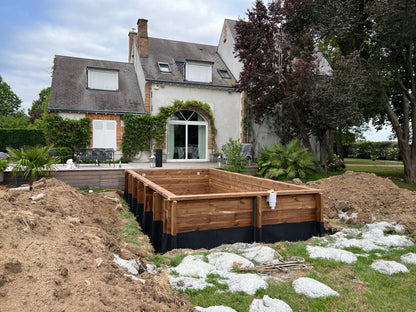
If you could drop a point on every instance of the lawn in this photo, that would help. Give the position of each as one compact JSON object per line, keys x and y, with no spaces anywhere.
{"x":383,"y":168}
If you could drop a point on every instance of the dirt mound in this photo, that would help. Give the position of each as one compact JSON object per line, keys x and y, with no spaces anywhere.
{"x":56,"y":254}
{"x":366,"y":198}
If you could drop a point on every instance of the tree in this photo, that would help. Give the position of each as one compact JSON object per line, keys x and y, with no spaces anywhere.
{"x":387,"y":50}
{"x":40,"y":105}
{"x":9,"y":101}
{"x":283,"y":78}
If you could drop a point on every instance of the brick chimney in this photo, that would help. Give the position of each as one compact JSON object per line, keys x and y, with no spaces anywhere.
{"x":132,"y":33}
{"x":142,"y":38}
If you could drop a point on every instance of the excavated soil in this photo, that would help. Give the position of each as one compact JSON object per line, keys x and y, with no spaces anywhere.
{"x":56,"y":254}
{"x":365,"y":198}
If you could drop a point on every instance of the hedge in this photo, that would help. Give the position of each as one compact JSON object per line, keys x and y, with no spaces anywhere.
{"x":381,"y":150}
{"x":18,"y":138}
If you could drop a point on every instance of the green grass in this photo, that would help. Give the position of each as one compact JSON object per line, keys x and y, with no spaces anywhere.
{"x":360,"y":287}
{"x":359,"y":161}
{"x":130,"y":232}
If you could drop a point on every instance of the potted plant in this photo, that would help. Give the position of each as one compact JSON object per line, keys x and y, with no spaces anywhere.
{"x":3,"y":167}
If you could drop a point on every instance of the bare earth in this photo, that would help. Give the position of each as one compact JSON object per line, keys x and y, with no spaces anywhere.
{"x":50,"y":251}
{"x":373,"y":198}
{"x":57,"y":254}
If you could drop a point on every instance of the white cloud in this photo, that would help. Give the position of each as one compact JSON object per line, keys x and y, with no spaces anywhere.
{"x":99,"y":29}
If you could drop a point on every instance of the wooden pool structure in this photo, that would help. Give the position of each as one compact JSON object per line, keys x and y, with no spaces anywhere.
{"x":204,"y":208}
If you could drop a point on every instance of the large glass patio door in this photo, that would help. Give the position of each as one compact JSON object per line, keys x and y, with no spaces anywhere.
{"x":186,"y":136}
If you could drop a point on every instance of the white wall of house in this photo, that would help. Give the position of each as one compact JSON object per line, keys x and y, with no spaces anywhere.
{"x":225,"y":106}
{"x":72,"y":116}
{"x":226,"y":49}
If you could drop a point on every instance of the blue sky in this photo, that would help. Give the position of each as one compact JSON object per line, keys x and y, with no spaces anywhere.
{"x":32,"y":32}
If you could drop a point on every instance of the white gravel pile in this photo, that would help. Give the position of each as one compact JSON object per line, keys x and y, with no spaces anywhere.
{"x":389,"y":267}
{"x":331,"y":253}
{"x":312,"y":288}
{"x":193,"y":266}
{"x":268,"y":304}
{"x":409,"y":258}
{"x":225,"y":261}
{"x":370,"y":238}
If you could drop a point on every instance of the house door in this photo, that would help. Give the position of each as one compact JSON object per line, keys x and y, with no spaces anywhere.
{"x":186,"y":136}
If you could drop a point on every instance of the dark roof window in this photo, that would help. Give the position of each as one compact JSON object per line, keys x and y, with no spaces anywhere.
{"x":224,"y":73}
{"x":164,"y":67}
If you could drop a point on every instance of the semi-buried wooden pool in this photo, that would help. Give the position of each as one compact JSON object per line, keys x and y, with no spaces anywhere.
{"x":204,"y":208}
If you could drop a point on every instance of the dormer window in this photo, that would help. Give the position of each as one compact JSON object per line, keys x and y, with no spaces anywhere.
{"x":198,"y":71}
{"x":102,"y":79}
{"x":225,"y":74}
{"x":164,"y":67}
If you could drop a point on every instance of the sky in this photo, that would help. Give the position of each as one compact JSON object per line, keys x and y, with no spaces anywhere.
{"x":33,"y":32}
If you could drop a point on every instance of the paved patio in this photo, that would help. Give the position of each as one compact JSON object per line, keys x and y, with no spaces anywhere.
{"x":139,"y":165}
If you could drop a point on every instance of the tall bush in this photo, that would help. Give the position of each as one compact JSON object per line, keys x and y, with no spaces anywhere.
{"x":75,"y":134}
{"x":279,"y":162}
{"x":18,"y":138}
{"x":367,"y":150}
{"x":235,"y":161}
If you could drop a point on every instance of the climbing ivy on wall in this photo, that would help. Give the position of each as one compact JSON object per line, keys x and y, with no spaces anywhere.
{"x":75,"y":134}
{"x":140,"y":131}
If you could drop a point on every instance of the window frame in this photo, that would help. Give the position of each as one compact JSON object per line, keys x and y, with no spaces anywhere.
{"x":160,"y":64}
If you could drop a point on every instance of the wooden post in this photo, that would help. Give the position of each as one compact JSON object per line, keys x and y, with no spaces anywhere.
{"x":259,"y":216}
{"x":319,"y":200}
{"x":134,"y":188}
{"x":173,"y":218}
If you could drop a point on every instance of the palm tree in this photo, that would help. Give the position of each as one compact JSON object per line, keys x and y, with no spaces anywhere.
{"x":287,"y":161}
{"x":32,"y":162}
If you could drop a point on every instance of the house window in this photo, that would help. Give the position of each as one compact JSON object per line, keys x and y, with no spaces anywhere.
{"x":104,"y":134}
{"x":199,"y":72}
{"x":164,"y":67}
{"x":224,"y":74}
{"x":102,"y":79}
{"x":186,"y":136}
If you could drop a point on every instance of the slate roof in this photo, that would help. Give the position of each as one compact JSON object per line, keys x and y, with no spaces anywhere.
{"x":174,"y":52}
{"x":69,"y":88}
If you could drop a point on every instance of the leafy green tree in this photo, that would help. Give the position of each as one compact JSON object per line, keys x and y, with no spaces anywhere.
{"x":383,"y":35}
{"x":40,"y":105}
{"x":286,"y":161}
{"x":32,"y":162}
{"x":15,"y":121}
{"x":284,"y":80}
{"x":9,"y":101}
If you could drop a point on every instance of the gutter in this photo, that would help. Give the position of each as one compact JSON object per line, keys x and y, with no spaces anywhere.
{"x":94,"y":111}
{"x":196,"y":84}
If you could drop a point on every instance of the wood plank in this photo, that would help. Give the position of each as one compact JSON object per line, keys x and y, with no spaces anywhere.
{"x":148,"y":201}
{"x":140,"y":192}
{"x":259,"y":216}
{"x":130,"y":184}
{"x":157,"y":207}
{"x":319,"y":199}
{"x":134,"y":188}
{"x":173,"y":218}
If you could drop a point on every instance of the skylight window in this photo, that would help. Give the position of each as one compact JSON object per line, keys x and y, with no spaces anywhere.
{"x":164,"y":67}
{"x":224,"y":74}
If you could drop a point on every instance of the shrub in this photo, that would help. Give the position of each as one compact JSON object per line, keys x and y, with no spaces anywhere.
{"x":32,"y":162}
{"x":235,"y":161}
{"x":286,"y":162}
{"x":336,"y":165}
{"x":3,"y":164}
{"x":378,"y":150}
{"x":18,"y":138}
